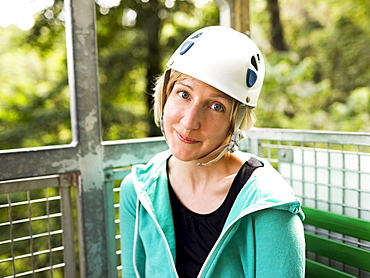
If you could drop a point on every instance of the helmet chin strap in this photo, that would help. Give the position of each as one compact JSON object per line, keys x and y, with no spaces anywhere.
{"x":232,"y":146}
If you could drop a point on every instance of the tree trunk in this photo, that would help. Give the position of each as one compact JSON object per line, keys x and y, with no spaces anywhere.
{"x":152,"y":29}
{"x":277,"y":32}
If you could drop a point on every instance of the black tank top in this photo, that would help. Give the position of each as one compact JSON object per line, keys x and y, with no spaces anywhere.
{"x":197,"y":233}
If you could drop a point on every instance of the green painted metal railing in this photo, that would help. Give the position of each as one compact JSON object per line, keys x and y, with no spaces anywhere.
{"x":335,"y":249}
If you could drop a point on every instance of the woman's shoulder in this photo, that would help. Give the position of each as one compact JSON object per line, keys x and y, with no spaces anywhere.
{"x":266,"y":182}
{"x":141,"y":173}
{"x":157,"y":161}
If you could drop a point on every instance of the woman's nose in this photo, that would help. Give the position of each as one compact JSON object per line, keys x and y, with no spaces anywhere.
{"x":191,"y":118}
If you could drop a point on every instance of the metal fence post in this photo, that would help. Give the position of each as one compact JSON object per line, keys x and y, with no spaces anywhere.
{"x":110,"y":224}
{"x":65,"y":184}
{"x":235,"y":14}
{"x":86,"y":128}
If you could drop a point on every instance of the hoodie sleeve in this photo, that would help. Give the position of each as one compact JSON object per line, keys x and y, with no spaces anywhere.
{"x":280,"y":244}
{"x":127,"y":215}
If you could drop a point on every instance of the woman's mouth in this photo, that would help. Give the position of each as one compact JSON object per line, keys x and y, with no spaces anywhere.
{"x":186,"y":140}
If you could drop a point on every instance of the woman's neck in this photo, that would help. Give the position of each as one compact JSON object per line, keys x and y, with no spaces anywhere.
{"x":203,"y":188}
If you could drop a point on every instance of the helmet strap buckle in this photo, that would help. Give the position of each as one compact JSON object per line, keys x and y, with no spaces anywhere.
{"x":237,"y":136}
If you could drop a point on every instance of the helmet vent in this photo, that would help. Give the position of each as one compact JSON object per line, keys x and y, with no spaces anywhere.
{"x":197,"y":35}
{"x":254,"y":62}
{"x":251,"y":77}
{"x":185,"y":47}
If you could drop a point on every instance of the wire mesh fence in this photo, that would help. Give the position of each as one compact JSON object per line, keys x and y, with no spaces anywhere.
{"x":36,"y":230}
{"x":325,"y":175}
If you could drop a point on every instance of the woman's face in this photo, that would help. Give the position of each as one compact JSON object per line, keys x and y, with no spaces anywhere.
{"x":196,"y":119}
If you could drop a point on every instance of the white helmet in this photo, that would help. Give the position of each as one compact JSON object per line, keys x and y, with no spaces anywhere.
{"x":225,"y":59}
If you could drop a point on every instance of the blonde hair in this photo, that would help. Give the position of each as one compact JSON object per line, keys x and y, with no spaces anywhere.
{"x":162,"y":91}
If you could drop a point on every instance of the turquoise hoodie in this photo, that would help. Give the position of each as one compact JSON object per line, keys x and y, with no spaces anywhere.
{"x":262,"y":237}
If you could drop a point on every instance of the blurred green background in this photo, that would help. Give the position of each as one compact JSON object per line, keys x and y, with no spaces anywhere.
{"x":317,"y":73}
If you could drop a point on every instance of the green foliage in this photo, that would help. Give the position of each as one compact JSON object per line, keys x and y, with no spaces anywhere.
{"x":354,"y":114}
{"x":321,"y":83}
{"x":291,"y":99}
{"x":34,"y":103}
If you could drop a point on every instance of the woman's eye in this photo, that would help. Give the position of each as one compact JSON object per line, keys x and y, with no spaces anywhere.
{"x":217,"y":107}
{"x":184,"y":95}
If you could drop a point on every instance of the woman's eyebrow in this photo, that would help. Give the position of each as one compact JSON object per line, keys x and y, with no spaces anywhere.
{"x":218,"y":94}
{"x":178,"y":82}
{"x":222,"y":95}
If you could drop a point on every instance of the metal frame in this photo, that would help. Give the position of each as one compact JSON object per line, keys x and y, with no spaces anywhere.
{"x":235,"y":14}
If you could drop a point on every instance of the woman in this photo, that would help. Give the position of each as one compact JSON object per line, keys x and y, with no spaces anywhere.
{"x":203,"y":209}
